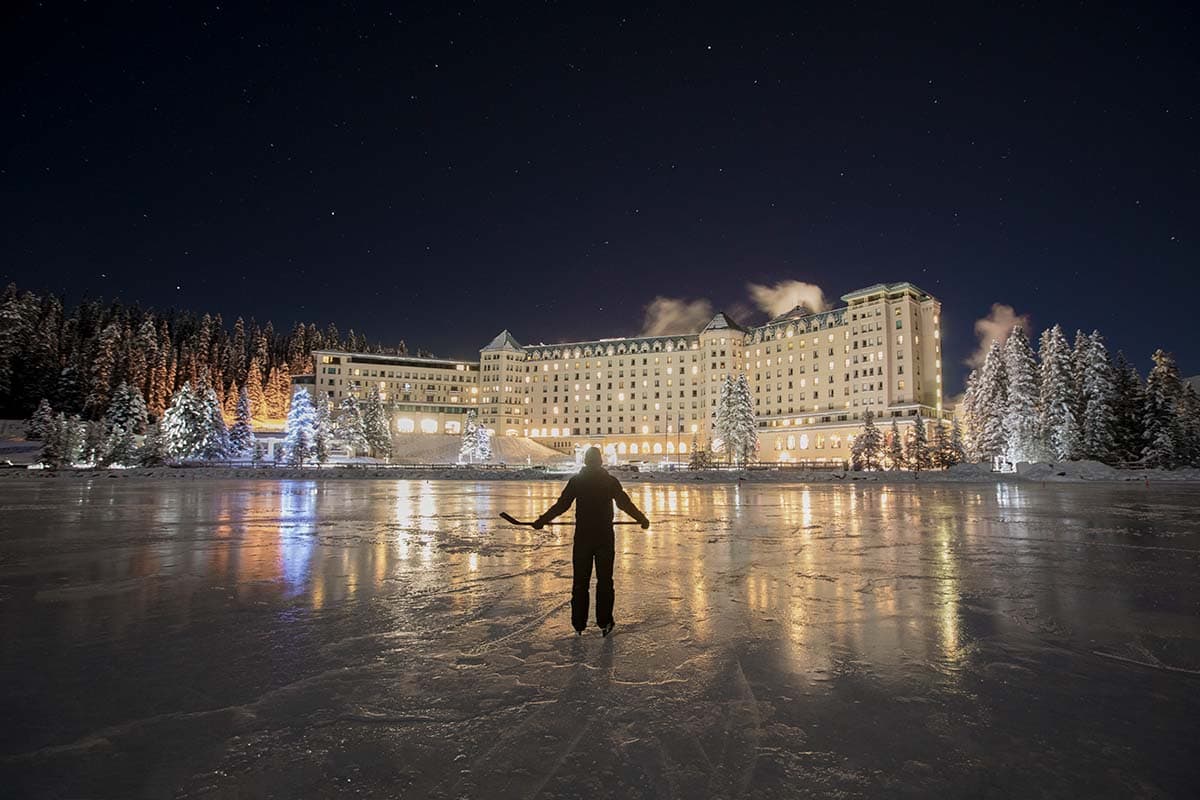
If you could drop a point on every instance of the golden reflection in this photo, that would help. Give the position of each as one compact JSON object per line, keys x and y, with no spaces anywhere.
{"x":831,"y":572}
{"x":948,"y":592}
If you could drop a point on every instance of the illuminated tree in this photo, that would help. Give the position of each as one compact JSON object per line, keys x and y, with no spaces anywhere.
{"x":40,"y":422}
{"x":895,"y":447}
{"x":701,"y":455}
{"x":469,"y":446}
{"x":990,"y":403}
{"x":273,"y":403}
{"x":241,"y":435}
{"x":483,"y":444}
{"x":1099,"y":392}
{"x":64,"y":441}
{"x":867,"y":450}
{"x":229,"y":402}
{"x":956,"y":452}
{"x":723,"y":419}
{"x":216,"y":433}
{"x":127,"y":410}
{"x":745,"y":424}
{"x":916,"y":451}
{"x":185,"y":424}
{"x":1058,"y":426}
{"x":154,"y":450}
{"x":939,"y":445}
{"x":119,"y":448}
{"x":157,"y":392}
{"x":376,"y":426}
{"x":283,"y":389}
{"x":322,"y":431}
{"x":1021,"y":439}
{"x":349,"y":427}
{"x":300,"y":431}
{"x":254,"y":390}
{"x":735,"y":422}
{"x":967,"y":411}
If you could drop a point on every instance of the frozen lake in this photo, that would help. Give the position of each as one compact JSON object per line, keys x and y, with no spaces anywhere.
{"x":394,"y":639}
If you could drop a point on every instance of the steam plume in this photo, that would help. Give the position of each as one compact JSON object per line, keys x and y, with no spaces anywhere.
{"x":786,"y":295}
{"x":996,"y":326}
{"x":671,"y":315}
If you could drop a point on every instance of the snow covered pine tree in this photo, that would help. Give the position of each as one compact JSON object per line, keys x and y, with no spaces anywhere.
{"x":241,"y":435}
{"x":300,"y":430}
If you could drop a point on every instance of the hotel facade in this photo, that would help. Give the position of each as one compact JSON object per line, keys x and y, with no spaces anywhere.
{"x":652,"y":398}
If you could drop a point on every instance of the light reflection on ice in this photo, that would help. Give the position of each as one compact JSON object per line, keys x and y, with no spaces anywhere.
{"x":297,"y":532}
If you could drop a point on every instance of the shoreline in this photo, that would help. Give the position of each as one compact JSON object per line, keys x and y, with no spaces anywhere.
{"x":1036,"y":473}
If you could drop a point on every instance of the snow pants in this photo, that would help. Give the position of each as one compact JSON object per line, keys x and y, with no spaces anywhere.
{"x":586,"y":550}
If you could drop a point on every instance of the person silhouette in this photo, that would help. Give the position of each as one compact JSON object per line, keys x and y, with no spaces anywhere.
{"x":594,"y":491}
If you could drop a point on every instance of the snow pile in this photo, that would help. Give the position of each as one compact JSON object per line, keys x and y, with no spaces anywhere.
{"x":1069,"y":471}
{"x":1096,"y":471}
{"x":967,"y":471}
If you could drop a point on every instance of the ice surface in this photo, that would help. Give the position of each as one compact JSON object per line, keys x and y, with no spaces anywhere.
{"x":391,"y":638}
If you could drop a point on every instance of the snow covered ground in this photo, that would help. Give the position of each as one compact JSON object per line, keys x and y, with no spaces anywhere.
{"x":368,"y":469}
{"x":388,"y":638}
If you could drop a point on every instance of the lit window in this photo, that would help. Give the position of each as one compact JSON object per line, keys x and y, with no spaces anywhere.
{"x":429,"y":426}
{"x":404,"y":425}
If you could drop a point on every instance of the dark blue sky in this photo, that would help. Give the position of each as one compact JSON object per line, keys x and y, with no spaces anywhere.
{"x":437,"y":174}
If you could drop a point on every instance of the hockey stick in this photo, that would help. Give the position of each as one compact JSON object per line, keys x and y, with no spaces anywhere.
{"x":509,"y":518}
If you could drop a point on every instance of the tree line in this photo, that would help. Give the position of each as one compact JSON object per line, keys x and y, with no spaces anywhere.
{"x":77,"y":359}
{"x":914,"y":450}
{"x":193,"y":428}
{"x":1071,"y":402}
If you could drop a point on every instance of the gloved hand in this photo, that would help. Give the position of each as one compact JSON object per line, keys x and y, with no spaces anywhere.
{"x":538,"y":524}
{"x":645,"y":524}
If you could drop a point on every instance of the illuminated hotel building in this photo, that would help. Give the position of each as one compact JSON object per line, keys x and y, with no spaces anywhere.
{"x":645,"y":398}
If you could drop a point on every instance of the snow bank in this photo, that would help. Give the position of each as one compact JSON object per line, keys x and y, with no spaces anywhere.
{"x":1078,"y":471}
{"x":969,"y":472}
{"x":1096,"y":471}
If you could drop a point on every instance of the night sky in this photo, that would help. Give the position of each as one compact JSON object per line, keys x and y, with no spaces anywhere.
{"x":439,"y":174}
